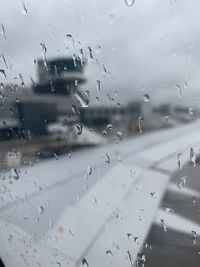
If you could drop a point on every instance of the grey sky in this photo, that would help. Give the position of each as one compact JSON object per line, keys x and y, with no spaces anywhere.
{"x":146,"y":48}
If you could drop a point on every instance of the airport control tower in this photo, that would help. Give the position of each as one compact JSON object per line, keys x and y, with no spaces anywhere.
{"x":59,"y":76}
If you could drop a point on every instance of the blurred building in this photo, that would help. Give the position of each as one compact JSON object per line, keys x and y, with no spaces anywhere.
{"x":163,"y":110}
{"x":98,"y":116}
{"x":25,"y":110}
{"x":59,"y":76}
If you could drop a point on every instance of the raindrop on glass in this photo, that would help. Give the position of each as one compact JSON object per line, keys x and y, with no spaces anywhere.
{"x":44,"y":51}
{"x":194,"y":237}
{"x":3,"y":73}
{"x":178,"y":87}
{"x":191,"y":111}
{"x":79,"y":128}
{"x":84,"y":263}
{"x":107,"y":158}
{"x":55,"y":155}
{"x":1,"y":86}
{"x":179,"y":161}
{"x":162,"y":222}
{"x":193,"y":156}
{"x":104,"y":69}
{"x":33,"y":82}
{"x":129,"y":2}
{"x":90,"y":53}
{"x":98,"y":86}
{"x":71,"y":39}
{"x":146,"y":98}
{"x":89,"y":170}
{"x":22,"y":80}
{"x":14,"y":173}
{"x":97,"y":49}
{"x":24,"y":9}
{"x":82,"y":98}
{"x":40,"y":209}
{"x":182,"y":182}
{"x":3,"y":32}
{"x":4,"y":61}
{"x":119,"y":135}
{"x":109,"y":252}
{"x":108,"y":128}
{"x":81,"y":56}
{"x":140,"y":121}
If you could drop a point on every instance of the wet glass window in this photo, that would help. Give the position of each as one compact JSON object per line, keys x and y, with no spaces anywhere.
{"x":99,"y":133}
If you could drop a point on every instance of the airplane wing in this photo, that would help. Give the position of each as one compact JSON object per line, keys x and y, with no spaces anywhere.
{"x":95,"y":207}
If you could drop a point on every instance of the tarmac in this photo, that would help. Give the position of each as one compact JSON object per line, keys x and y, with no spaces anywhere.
{"x":168,"y":256}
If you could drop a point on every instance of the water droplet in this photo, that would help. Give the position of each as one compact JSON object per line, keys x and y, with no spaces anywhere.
{"x":22,"y":80}
{"x":3,"y":32}
{"x":90,"y":53}
{"x":44,"y":51}
{"x":71,"y":39}
{"x":109,"y":252}
{"x":69,"y":155}
{"x":140,"y":121}
{"x":1,"y":86}
{"x":146,"y":98}
{"x":89,"y":170}
{"x":166,"y":119}
{"x":108,"y":128}
{"x":141,"y":259}
{"x":55,"y":155}
{"x":119,"y":136}
{"x":14,"y":173}
{"x":97,"y":49}
{"x":191,"y":111}
{"x":179,"y":161}
{"x":24,"y":9}
{"x":82,"y":98}
{"x":182,"y":182}
{"x":104,"y":69}
{"x":40,"y":209}
{"x":107,"y":158}
{"x":33,"y":82}
{"x":193,"y":156}
{"x":194,"y":237}
{"x":3,"y":73}
{"x":130,"y":257}
{"x":79,"y":128}
{"x":178,"y":87}
{"x":85,"y":263}
{"x":98,"y":86}
{"x":129,"y":2}
{"x":168,"y":210}
{"x":185,"y":85}
{"x":81,"y":56}
{"x":162,"y":222}
{"x":4,"y":61}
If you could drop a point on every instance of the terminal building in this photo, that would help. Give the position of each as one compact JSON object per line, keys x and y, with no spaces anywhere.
{"x":59,"y":76}
{"x":99,"y":116}
{"x":28,"y":110}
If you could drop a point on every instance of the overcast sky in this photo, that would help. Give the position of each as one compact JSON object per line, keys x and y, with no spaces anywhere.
{"x":149,"y":47}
